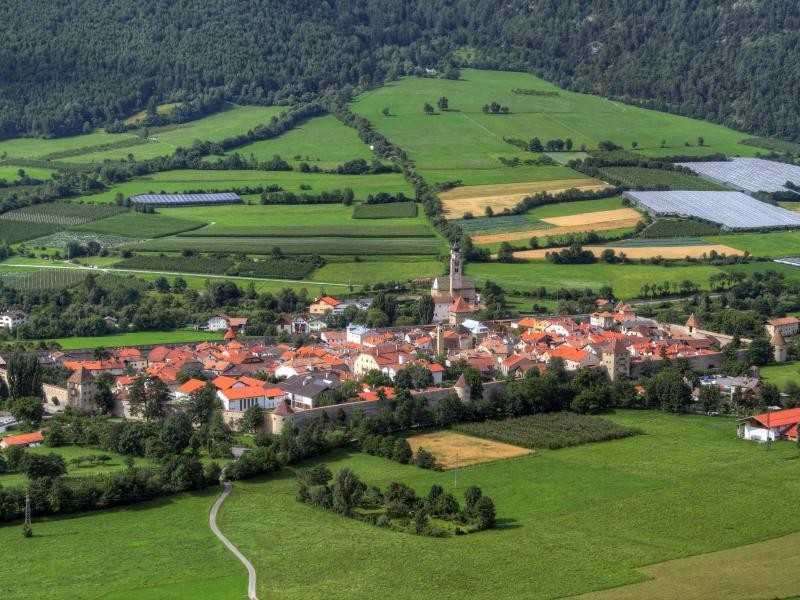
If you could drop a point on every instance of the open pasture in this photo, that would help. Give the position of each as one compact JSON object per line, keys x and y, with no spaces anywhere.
{"x":462,"y":142}
{"x":11,"y":173}
{"x":324,"y":142}
{"x":600,"y":511}
{"x":476,"y":198}
{"x":189,"y":180}
{"x":626,"y":280}
{"x":454,"y":450}
{"x":774,"y":244}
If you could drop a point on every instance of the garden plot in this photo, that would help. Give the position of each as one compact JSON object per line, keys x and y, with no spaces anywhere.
{"x":749,"y":174}
{"x":732,"y":210}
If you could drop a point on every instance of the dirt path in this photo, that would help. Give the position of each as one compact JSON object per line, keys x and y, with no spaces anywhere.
{"x":212,"y":521}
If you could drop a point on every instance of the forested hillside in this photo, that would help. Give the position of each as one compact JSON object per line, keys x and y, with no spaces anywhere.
{"x":68,"y":66}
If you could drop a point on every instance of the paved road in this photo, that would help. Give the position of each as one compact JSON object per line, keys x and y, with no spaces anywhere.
{"x":179,"y":274}
{"x":212,"y":520}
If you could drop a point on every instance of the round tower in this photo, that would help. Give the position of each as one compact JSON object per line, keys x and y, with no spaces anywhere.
{"x":778,"y":347}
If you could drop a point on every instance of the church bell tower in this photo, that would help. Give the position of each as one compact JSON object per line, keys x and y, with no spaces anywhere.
{"x":455,"y":270}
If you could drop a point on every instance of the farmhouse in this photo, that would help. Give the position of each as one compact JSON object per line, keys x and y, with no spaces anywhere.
{"x":24,"y":440}
{"x":12,"y":318}
{"x":223,"y":322}
{"x":770,"y":426}
{"x":324,"y":305}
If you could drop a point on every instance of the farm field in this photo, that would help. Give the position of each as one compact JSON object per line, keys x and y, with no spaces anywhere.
{"x":141,"y":225}
{"x":294,"y":245}
{"x":65,"y":214}
{"x":645,"y":251}
{"x":136,"y":338}
{"x":354,"y":230}
{"x":593,"y":221}
{"x":626,"y":280}
{"x":476,"y":198}
{"x":324,"y":142}
{"x":378,"y":269}
{"x":676,"y":228}
{"x":151,"y":551}
{"x":600,"y":511}
{"x":463,"y":142}
{"x":642,"y":178}
{"x":772,"y":245}
{"x":455,"y":450}
{"x":215,"y":180}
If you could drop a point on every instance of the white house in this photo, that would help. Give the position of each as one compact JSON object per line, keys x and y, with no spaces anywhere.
{"x":770,"y":426}
{"x":356,"y":333}
{"x":242,"y":398}
{"x":223,"y":322}
{"x":12,"y":318}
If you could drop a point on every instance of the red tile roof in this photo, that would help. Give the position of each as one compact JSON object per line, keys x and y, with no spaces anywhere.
{"x":23,"y":439}
{"x":779,"y":418}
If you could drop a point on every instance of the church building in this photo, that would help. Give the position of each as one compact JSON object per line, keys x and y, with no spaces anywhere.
{"x":449,"y":288}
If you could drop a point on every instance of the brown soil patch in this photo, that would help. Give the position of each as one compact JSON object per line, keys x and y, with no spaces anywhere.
{"x":600,"y":216}
{"x":669,"y":252}
{"x":456,"y":449}
{"x":475,"y":198}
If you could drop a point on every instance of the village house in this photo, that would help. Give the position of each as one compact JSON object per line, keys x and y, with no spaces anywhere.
{"x":302,"y":391}
{"x":25,"y":440}
{"x":324,"y":305}
{"x":786,"y":326}
{"x":222,"y":322}
{"x":12,"y":318}
{"x":770,"y":426}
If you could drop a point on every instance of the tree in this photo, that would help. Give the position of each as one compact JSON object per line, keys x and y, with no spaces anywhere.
{"x":506,"y":253}
{"x":24,"y":374}
{"x":700,"y":140}
{"x":161,"y":285}
{"x":535,"y":145}
{"x":485,"y":511}
{"x":442,"y":103}
{"x":710,"y":398}
{"x":202,"y":404}
{"x":347,"y":491}
{"x":768,"y":394}
{"x":103,"y":395}
{"x":176,"y":431}
{"x":38,"y":466}
{"x":402,"y":451}
{"x":666,"y":390}
{"x":533,"y":242}
{"x":634,"y":145}
{"x":28,"y":409}
{"x":428,"y":109}
{"x":760,"y":351}
{"x":424,"y":459}
{"x":471,"y":496}
{"x":385,"y":111}
{"x":253,"y":419}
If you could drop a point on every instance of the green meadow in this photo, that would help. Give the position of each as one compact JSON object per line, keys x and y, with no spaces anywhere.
{"x":230,"y":121}
{"x":626,"y":280}
{"x":465,"y":143}
{"x":216,"y":180}
{"x":11,"y":173}
{"x":570,"y":521}
{"x":774,"y":244}
{"x":780,"y":375}
{"x":324,"y":142}
{"x":136,"y":338}
{"x":135,"y":224}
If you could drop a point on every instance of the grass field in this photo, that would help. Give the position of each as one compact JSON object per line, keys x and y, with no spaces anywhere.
{"x":157,"y":550}
{"x":392,"y":210}
{"x":354,"y":230}
{"x":626,"y":280}
{"x":464,"y":143}
{"x":774,"y":244}
{"x":69,"y":452}
{"x":637,"y":251}
{"x":214,"y":180}
{"x":566,"y":209}
{"x":136,"y":338}
{"x":324,"y":142}
{"x":570,"y":521}
{"x":377,"y":269}
{"x":135,"y":224}
{"x":230,"y":121}
{"x":455,"y":450}
{"x":294,"y":245}
{"x":780,"y":375}
{"x":11,"y":173}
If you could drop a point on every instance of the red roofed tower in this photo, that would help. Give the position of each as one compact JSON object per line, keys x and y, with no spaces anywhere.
{"x":230,"y":335}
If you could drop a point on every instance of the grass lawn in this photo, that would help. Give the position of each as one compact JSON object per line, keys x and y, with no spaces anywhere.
{"x":136,"y":338}
{"x":464,"y":143}
{"x":162,"y":549}
{"x":135,"y":224}
{"x":69,"y":452}
{"x":375,"y":269}
{"x":774,"y":244}
{"x":780,"y":375}
{"x":570,"y":521}
{"x":324,"y":142}
{"x":214,"y":180}
{"x":626,"y":280}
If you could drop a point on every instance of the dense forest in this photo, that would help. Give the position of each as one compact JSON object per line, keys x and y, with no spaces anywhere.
{"x":68,"y":66}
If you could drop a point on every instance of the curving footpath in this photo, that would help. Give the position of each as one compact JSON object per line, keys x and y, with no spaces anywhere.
{"x":212,"y":520}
